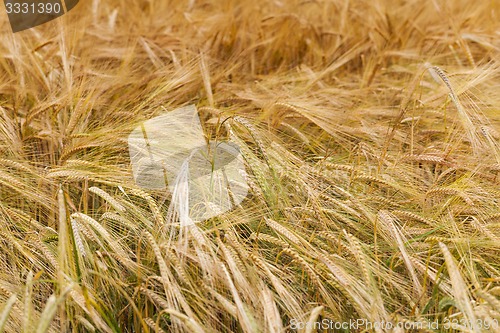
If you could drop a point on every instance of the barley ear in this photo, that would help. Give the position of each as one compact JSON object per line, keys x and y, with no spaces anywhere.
{"x":6,"y":311}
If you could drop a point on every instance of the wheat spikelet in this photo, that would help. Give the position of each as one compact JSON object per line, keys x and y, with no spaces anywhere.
{"x":400,"y":240}
{"x":313,"y":276}
{"x":431,"y":132}
{"x":332,"y":238}
{"x":87,"y":231}
{"x":190,"y":323}
{"x":437,"y":73}
{"x":256,"y":190}
{"x":320,"y":244}
{"x":164,"y":272}
{"x":235,"y":265}
{"x":14,"y":241}
{"x":282,"y":230}
{"x":303,"y":210}
{"x":367,"y":178}
{"x":313,"y":317}
{"x":150,"y":322}
{"x":495,"y":291}
{"x":28,"y":306}
{"x":152,"y":205}
{"x":426,"y":158}
{"x":157,"y":299}
{"x":213,"y":208}
{"x":90,"y":221}
{"x":435,"y":239}
{"x":431,"y":273}
{"x":241,"y":314}
{"x":414,"y":216}
{"x":69,"y":174}
{"x":17,"y":165}
{"x":338,"y":277}
{"x":50,"y":238}
{"x":355,"y":249}
{"x":442,"y":191}
{"x":342,"y":191}
{"x":287,"y":106}
{"x":298,"y":184}
{"x":308,"y":222}
{"x":439,"y":191}
{"x":47,"y":254}
{"x":255,"y":135}
{"x":493,"y":216}
{"x":22,"y":216}
{"x":298,"y":133}
{"x":257,"y":168}
{"x":76,"y":235}
{"x":460,"y":290}
{"x":7,"y":308}
{"x":258,"y":261}
{"x":445,"y":173}
{"x":237,"y":247}
{"x":179,"y":269}
{"x":9,"y":181}
{"x":117,"y":218}
{"x":85,"y":323}
{"x":333,"y":281}
{"x":108,"y":198}
{"x":382,"y":200}
{"x":414,"y":231}
{"x":488,"y":297}
{"x":121,"y":255}
{"x":467,"y":51}
{"x":212,"y":110}
{"x":236,"y":258}
{"x":194,"y":231}
{"x":334,"y":166}
{"x":464,"y":116}
{"x":269,"y":239}
{"x":466,"y":198}
{"x":73,"y":150}
{"x":79,"y":299}
{"x":339,"y":203}
{"x":6,"y":291}
{"x":270,"y":309}
{"x":277,"y":284}
{"x":340,"y":217}
{"x":484,"y":229}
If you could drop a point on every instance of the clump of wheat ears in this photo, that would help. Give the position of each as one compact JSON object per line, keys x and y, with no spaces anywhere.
{"x":369,"y":132}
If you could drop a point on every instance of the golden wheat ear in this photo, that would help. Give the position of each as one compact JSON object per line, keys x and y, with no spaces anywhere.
{"x":26,"y":14}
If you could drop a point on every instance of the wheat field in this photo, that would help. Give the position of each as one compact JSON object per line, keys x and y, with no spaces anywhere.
{"x":370,"y":134}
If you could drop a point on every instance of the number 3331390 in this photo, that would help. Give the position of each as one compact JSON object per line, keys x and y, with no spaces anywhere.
{"x":33,"y":8}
